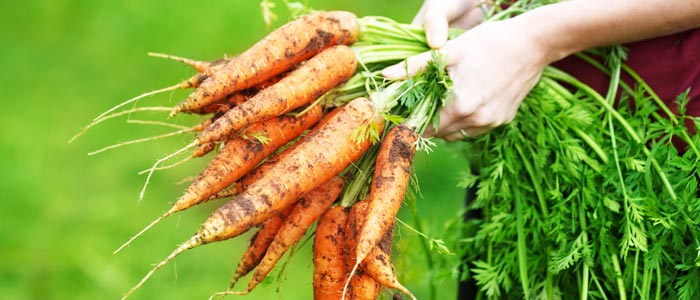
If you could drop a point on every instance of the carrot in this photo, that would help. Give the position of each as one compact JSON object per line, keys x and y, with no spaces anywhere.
{"x":306,"y":83}
{"x":229,"y":101}
{"x":359,"y":284}
{"x":279,"y":51}
{"x":319,"y":156}
{"x":308,"y":210}
{"x":330,"y":272}
{"x":260,"y":243}
{"x":237,"y":157}
{"x":378,"y":264}
{"x":391,"y":176}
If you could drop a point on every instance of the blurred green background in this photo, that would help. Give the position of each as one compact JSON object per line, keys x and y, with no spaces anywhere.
{"x":62,"y":212}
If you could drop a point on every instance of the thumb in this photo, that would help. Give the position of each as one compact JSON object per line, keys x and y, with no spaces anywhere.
{"x":409,"y":67}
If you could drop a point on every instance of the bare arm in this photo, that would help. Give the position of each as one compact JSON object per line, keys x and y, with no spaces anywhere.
{"x":495,"y":64}
{"x":571,"y":26}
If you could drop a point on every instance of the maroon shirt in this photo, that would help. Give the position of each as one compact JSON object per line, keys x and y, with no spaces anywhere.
{"x":669,"y":64}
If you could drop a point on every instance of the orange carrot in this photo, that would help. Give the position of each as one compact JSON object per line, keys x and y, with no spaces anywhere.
{"x":279,"y":51}
{"x":237,"y":157}
{"x":306,"y":83}
{"x":260,"y":243}
{"x":319,"y":156}
{"x":229,"y":101}
{"x":391,"y":176}
{"x":330,"y":272}
{"x":360,"y":285}
{"x":378,"y":264}
{"x":307,"y":211}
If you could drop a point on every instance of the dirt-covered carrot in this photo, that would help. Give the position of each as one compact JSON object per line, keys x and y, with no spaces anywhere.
{"x":239,"y":156}
{"x":319,"y":156}
{"x":279,"y":51}
{"x":378,"y":264}
{"x":306,"y":83}
{"x":359,"y":284}
{"x":229,"y":101}
{"x":259,"y":244}
{"x":330,"y":272}
{"x":306,"y":212}
{"x":391,"y":176}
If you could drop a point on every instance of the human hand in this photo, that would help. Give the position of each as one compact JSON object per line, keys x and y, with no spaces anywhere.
{"x":492,"y":66}
{"x":436,"y":16}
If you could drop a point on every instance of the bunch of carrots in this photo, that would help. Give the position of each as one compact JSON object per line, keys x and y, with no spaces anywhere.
{"x":306,"y":131}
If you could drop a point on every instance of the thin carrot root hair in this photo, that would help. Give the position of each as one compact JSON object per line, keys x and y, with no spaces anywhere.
{"x":170,"y":166}
{"x":191,"y":243}
{"x":157,"y":163}
{"x":141,"y":140}
{"x":191,"y":82}
{"x":198,"y":65}
{"x":115,"y":115}
{"x":158,"y":123}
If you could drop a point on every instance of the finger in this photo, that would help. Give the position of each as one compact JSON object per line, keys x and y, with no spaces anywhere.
{"x":409,"y":67}
{"x":436,"y":26}
{"x":468,"y":20}
{"x":420,"y":16}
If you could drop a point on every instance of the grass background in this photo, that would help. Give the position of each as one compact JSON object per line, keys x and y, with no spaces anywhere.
{"x":62,"y":213}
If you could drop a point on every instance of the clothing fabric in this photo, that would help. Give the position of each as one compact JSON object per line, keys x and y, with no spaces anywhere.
{"x":669,"y":65}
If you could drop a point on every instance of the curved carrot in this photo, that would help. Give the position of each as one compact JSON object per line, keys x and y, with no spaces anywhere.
{"x":306,"y":83}
{"x":319,"y":156}
{"x":308,"y":210}
{"x":279,"y":51}
{"x":259,"y":244}
{"x":378,"y":264}
{"x":360,"y":285}
{"x":330,"y":272}
{"x":391,"y":176}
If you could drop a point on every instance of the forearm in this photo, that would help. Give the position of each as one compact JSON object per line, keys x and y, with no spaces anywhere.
{"x":571,"y":26}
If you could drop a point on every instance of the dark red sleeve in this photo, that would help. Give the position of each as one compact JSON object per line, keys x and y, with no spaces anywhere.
{"x":669,"y":64}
